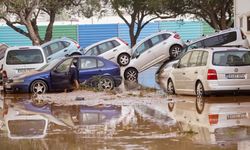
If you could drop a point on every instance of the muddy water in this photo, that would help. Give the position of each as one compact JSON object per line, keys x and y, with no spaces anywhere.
{"x":181,"y":123}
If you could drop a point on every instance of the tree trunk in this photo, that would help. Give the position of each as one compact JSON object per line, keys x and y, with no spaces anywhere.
{"x":131,"y":34}
{"x":34,"y":38}
{"x":49,"y":30}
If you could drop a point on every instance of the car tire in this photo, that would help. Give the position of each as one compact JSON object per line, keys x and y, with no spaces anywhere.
{"x":199,"y":89}
{"x":106,"y":83}
{"x":171,"y":106}
{"x":38,"y":87}
{"x":131,"y":74}
{"x":174,"y":51}
{"x":200,"y":104}
{"x":170,"y":87}
{"x":123,"y":59}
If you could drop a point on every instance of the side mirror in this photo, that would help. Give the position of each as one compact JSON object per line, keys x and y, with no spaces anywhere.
{"x":137,"y":55}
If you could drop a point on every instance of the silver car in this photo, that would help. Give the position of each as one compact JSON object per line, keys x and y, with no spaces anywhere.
{"x":207,"y":71}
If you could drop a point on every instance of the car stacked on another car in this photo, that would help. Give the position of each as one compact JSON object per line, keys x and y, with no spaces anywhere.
{"x":60,"y":48}
{"x":233,"y":37}
{"x":57,"y":75}
{"x":151,"y":50}
{"x":207,"y":71}
{"x":114,"y":49}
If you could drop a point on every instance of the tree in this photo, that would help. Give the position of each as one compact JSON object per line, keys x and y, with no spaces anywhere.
{"x":217,"y":13}
{"x":140,"y":13}
{"x":26,"y":12}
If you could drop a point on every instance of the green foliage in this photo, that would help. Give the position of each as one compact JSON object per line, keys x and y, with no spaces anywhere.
{"x":217,"y":13}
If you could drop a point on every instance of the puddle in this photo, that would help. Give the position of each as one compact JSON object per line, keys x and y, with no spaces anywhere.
{"x":180,"y":123}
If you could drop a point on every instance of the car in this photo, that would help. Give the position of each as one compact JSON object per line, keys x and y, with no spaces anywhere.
{"x":20,"y":59}
{"x":208,"y":71}
{"x":151,"y":50}
{"x":233,"y":37}
{"x":114,"y":49}
{"x":60,"y":48}
{"x":230,"y":37}
{"x":57,"y":75}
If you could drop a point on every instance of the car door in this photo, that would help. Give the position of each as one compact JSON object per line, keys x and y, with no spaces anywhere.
{"x":179,"y":73}
{"x":60,"y":75}
{"x":107,"y":50}
{"x":143,"y":55}
{"x":192,"y":71}
{"x":88,"y":67}
{"x":56,"y":50}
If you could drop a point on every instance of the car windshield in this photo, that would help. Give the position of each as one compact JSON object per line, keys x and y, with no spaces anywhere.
{"x":231,"y":58}
{"x":49,"y":65}
{"x":24,"y":56}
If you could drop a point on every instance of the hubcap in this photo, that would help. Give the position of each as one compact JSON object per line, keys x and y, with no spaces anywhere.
{"x":176,"y":51}
{"x":170,"y":88}
{"x":199,"y":90}
{"x":124,"y":59}
{"x":131,"y":75}
{"x":39,"y":88}
{"x":200,"y":103}
{"x":106,"y":84}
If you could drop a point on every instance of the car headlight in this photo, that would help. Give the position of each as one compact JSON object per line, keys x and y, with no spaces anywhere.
{"x":18,"y":80}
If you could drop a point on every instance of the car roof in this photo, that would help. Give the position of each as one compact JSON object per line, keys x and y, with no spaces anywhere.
{"x":223,"y":48}
{"x":99,"y":42}
{"x":24,"y":47}
{"x":211,"y":35}
{"x":57,"y":39}
{"x":152,"y":35}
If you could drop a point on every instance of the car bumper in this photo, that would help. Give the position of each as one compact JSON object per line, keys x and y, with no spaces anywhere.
{"x":213,"y":88}
{"x":16,"y":87}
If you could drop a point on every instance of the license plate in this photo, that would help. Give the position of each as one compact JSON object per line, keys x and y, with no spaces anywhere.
{"x":23,"y":70}
{"x":237,"y":116}
{"x":236,"y":76}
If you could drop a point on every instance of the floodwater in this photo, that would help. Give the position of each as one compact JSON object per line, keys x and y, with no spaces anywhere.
{"x":176,"y":122}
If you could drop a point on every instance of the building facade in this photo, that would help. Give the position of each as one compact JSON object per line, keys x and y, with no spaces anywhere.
{"x":242,"y":16}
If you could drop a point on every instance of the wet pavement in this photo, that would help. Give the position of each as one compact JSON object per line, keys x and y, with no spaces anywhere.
{"x":150,"y":120}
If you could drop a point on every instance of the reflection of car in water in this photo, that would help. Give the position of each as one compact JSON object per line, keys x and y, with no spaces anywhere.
{"x":25,"y":126}
{"x":214,"y":119}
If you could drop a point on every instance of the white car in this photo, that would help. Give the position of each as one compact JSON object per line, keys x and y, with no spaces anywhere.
{"x":114,"y":49}
{"x":209,"y":71}
{"x":18,"y":60}
{"x":151,"y":50}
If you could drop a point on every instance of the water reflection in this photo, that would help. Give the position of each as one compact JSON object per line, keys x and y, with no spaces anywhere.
{"x":183,"y":122}
{"x":214,"y":120}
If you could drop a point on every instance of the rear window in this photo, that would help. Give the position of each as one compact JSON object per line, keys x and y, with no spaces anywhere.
{"x":30,"y":56}
{"x":231,"y":58}
{"x":27,"y":128}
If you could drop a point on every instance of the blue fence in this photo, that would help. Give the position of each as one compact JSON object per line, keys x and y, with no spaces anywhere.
{"x":89,"y":34}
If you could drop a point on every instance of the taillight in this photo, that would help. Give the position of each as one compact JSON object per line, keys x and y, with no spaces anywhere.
{"x":123,"y":41}
{"x":4,"y":74}
{"x":213,"y":118}
{"x":212,"y":74}
{"x":177,"y":36}
{"x":77,"y":45}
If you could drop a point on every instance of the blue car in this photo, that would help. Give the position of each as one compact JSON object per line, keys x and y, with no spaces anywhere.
{"x":57,"y":75}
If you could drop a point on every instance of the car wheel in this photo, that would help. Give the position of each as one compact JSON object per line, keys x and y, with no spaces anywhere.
{"x":123,"y":59}
{"x":200,"y":103}
{"x":38,"y":87}
{"x":171,"y":106}
{"x":131,"y":74}
{"x":199,"y":90}
{"x":39,"y":102}
{"x":174,"y":51}
{"x":170,"y":87}
{"x":106,"y":83}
